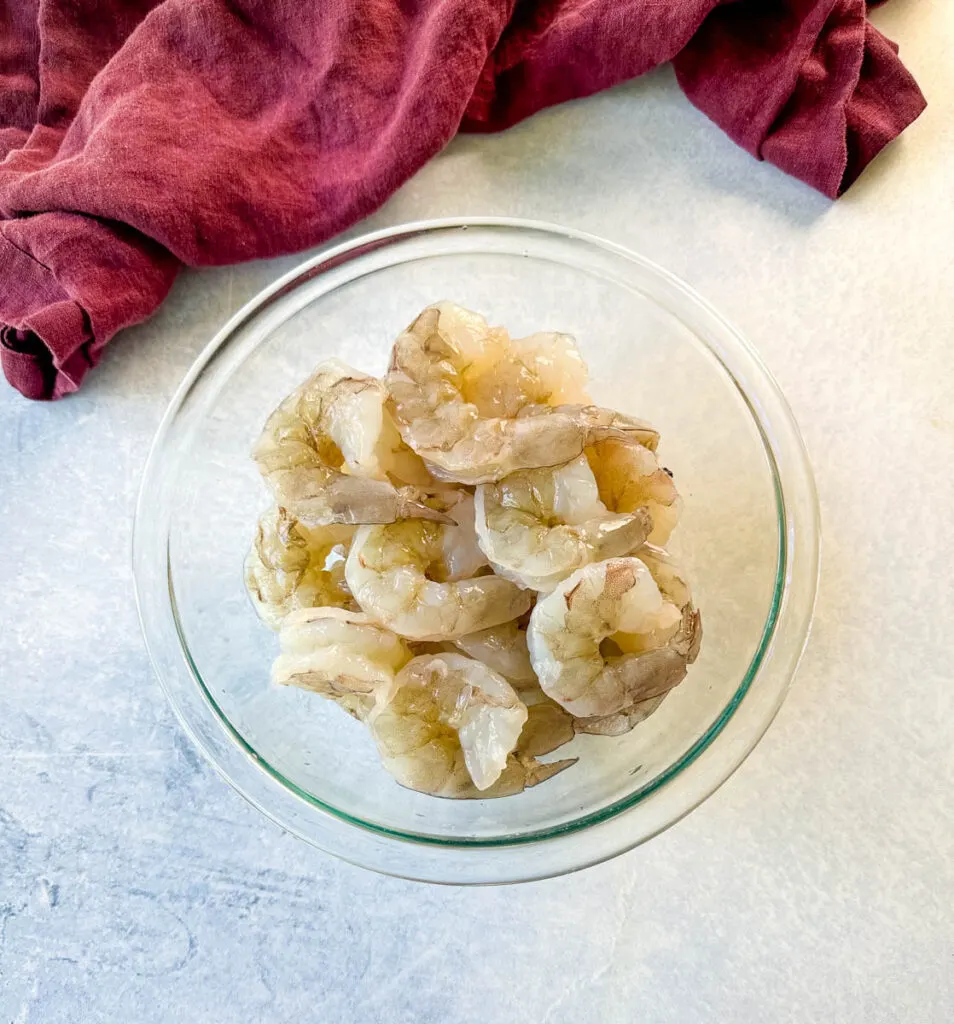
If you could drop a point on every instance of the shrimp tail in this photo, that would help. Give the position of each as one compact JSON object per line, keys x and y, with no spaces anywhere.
{"x":352,"y":695}
{"x":632,"y":431}
{"x":648,"y":675}
{"x":538,"y":772}
{"x":326,"y":497}
{"x":688,"y":639}
{"x":411,"y":508}
{"x":523,"y":772}
{"x":652,"y":675}
{"x":547,"y":727}
{"x":623,"y":534}
{"x":622,"y":722}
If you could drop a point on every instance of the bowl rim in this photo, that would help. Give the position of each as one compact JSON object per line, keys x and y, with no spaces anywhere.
{"x":779,"y":433}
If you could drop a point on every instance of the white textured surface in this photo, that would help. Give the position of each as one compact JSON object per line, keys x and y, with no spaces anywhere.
{"x":817,"y":885}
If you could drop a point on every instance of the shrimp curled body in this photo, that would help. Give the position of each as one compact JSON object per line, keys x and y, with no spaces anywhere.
{"x":465,"y":436}
{"x":608,"y":601}
{"x":539,"y":525}
{"x":331,"y":454}
{"x":398,"y":574}
{"x":290,"y":566}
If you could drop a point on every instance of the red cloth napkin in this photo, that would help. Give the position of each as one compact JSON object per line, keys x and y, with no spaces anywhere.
{"x":136,"y":135}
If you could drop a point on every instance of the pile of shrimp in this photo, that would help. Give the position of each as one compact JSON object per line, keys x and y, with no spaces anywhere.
{"x":466,"y":555}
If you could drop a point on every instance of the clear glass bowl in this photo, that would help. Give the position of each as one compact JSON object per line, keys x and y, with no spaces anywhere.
{"x":748,"y":537}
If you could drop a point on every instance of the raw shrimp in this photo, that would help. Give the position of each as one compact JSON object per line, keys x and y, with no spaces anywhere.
{"x":677,"y":627}
{"x":451,"y":728}
{"x":504,"y":649}
{"x":331,"y":453}
{"x":539,"y":525}
{"x":598,"y":603}
{"x":460,"y":559}
{"x":629,"y":477}
{"x":497,"y":374}
{"x":558,"y":369}
{"x":506,"y":376}
{"x":478,"y":439}
{"x":290,"y":566}
{"x":341,"y":655}
{"x":449,"y":722}
{"x":400,"y":575}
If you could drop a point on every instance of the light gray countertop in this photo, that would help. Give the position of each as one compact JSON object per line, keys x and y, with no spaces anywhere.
{"x":816,"y":885}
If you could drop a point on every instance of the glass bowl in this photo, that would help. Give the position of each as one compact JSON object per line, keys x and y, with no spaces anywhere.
{"x":748,"y":539}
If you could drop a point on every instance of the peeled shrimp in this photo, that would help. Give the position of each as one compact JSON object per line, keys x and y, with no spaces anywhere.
{"x":290,"y":566}
{"x":504,"y":376}
{"x":452,"y":727}
{"x":341,"y":655}
{"x":465,"y":436}
{"x":331,"y":453}
{"x":504,"y":649}
{"x":400,"y":574}
{"x":629,"y":477}
{"x":497,"y":374}
{"x":449,"y":723}
{"x":598,"y":603}
{"x":557,"y":368}
{"x":677,"y":627}
{"x":539,"y":525}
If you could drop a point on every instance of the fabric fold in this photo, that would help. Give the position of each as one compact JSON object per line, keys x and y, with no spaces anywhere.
{"x":44,"y":341}
{"x":809,"y":85}
{"x":137,"y":136}
{"x":70,"y":282}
